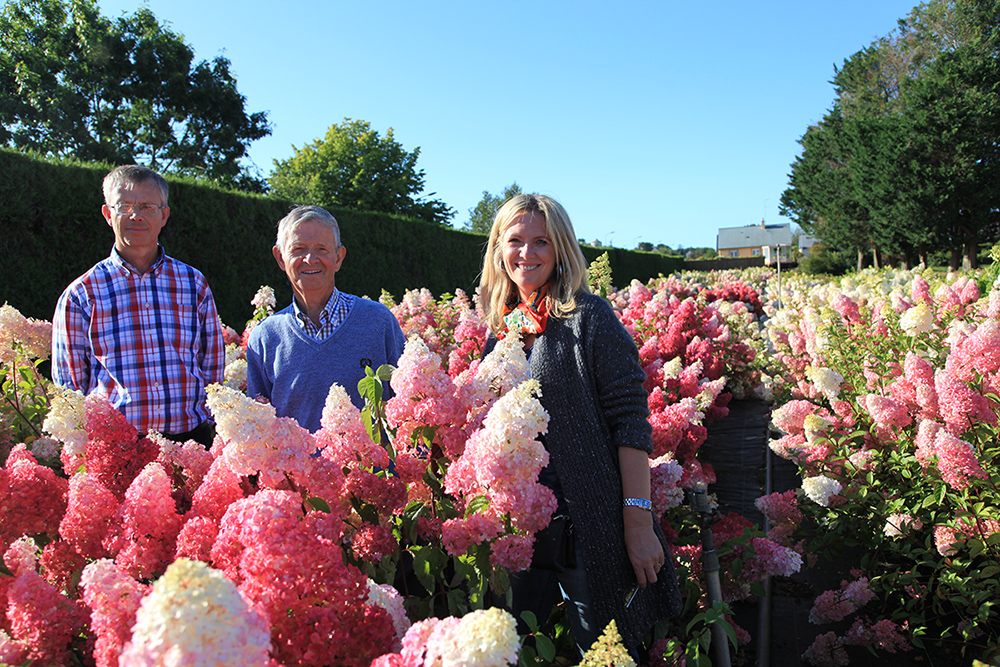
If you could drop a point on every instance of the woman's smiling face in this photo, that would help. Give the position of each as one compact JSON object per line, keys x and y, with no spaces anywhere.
{"x":528,"y":254}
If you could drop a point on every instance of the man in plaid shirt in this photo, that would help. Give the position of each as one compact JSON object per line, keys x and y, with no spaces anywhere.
{"x":140,"y":327}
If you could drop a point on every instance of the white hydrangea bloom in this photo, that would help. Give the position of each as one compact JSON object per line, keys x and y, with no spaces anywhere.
{"x":194,"y":616}
{"x":67,"y":420}
{"x":236,"y":374}
{"x":826,"y":380}
{"x":264,"y":298}
{"x":488,"y":638}
{"x":917,"y":320}
{"x":820,"y":489}
{"x":507,"y":366}
{"x":672,"y":369}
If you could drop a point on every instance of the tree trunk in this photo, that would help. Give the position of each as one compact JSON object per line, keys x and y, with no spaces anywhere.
{"x":971,"y":260}
{"x":956,"y":259}
{"x":861,"y":260}
{"x":875,"y":258}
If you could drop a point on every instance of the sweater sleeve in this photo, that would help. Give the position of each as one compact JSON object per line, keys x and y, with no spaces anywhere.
{"x":614,"y":358}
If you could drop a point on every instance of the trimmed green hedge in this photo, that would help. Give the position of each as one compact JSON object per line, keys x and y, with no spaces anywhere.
{"x":51,"y":231}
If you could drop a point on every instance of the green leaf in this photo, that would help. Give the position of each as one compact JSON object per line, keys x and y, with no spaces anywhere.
{"x":529,"y":619}
{"x":546,"y":648}
{"x":318,"y":504}
{"x":477,"y":504}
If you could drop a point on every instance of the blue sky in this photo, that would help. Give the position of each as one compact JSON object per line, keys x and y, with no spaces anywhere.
{"x":650,"y":121}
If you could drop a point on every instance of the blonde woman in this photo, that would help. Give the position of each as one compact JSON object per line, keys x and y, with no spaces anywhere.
{"x":534,"y":283}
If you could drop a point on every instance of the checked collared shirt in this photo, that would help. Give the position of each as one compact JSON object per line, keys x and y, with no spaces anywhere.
{"x":149,"y":342}
{"x":337,"y":308}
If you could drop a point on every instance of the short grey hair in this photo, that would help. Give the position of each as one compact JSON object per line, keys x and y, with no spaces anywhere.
{"x":133,"y":174}
{"x":301,"y":214}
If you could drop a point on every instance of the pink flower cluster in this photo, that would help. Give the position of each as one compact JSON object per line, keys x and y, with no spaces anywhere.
{"x":452,"y":328}
{"x":835,"y":605}
{"x":689,"y":354}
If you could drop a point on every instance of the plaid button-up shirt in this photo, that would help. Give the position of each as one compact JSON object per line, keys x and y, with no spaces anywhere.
{"x":333,"y":315}
{"x":150,"y":342}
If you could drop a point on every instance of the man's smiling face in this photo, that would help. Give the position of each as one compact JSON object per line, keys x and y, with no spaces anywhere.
{"x":311,"y":258}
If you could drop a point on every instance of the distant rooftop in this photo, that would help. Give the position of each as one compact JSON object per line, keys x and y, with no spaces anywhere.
{"x":751,"y":236}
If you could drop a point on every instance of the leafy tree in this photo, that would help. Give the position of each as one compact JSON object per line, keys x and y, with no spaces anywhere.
{"x":353,"y":166}
{"x":73,"y":83}
{"x":906,"y":161}
{"x":644,"y":246}
{"x":481,"y":215}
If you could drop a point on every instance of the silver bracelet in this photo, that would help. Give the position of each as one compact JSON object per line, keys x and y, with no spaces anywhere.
{"x":638,"y":502}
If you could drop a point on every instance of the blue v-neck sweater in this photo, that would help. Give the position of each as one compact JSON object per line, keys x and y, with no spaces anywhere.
{"x":295,"y":372}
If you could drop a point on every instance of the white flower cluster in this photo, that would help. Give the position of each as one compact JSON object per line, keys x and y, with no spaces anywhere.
{"x":506,"y":367}
{"x":917,"y":320}
{"x":482,"y":638}
{"x":236,"y":369}
{"x":264,"y":298}
{"x":194,"y":616}
{"x":826,"y":380}
{"x":67,"y":420}
{"x":820,"y":489}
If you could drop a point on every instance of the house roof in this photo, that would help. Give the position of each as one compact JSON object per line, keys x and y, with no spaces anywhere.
{"x":754,"y":236}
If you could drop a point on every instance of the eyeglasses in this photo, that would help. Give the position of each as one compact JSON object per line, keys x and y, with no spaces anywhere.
{"x":122,"y":208}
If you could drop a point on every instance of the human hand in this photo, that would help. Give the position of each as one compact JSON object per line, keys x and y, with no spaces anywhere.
{"x":644,"y":549}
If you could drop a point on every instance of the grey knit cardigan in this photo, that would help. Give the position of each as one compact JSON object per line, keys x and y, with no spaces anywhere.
{"x":592,"y":387}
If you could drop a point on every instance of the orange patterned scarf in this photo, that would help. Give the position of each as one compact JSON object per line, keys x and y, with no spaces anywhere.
{"x":527,"y":317}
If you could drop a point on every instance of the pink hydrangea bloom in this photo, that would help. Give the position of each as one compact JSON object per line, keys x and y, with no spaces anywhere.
{"x":43,"y":619}
{"x":836,"y":605}
{"x":196,"y":538}
{"x":957,"y":460}
{"x":113,"y":598}
{"x":790,"y":417}
{"x":887,"y":413}
{"x":149,"y":525}
{"x":273,"y":552}
{"x":827,"y":650}
{"x":343,"y":436}
{"x":32,"y":498}
{"x":21,"y":556}
{"x":961,"y":407}
{"x":884,"y":635}
{"x":89,"y":516}
{"x":115,"y":453}
{"x":780,"y":508}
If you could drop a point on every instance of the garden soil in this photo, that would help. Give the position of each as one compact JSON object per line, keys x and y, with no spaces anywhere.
{"x":737,"y":447}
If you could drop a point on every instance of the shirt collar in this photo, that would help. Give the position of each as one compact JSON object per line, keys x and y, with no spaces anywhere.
{"x":125,"y":267}
{"x":324,"y":315}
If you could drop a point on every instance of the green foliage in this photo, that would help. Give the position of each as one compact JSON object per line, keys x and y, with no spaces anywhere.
{"x":354,"y":167}
{"x":905,"y":160}
{"x":481,"y":215}
{"x":822,"y":261}
{"x":51,"y":231}
{"x":74,"y":83}
{"x":599,"y":275}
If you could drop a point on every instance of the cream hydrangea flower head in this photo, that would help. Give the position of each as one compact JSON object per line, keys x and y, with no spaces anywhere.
{"x":826,"y":380}
{"x":917,"y":320}
{"x":820,"y":489}
{"x":194,"y":616}
{"x":67,"y":420}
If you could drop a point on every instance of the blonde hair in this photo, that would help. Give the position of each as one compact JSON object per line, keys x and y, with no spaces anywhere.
{"x":496,"y":287}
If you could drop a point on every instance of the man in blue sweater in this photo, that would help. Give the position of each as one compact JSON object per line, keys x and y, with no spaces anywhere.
{"x":325,"y":336}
